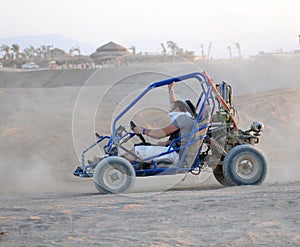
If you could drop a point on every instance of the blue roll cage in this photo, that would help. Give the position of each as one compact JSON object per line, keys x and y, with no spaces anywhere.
{"x":205,"y":99}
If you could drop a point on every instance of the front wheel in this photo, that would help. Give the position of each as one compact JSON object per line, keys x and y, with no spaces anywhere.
{"x":244,"y":165}
{"x":114,"y":175}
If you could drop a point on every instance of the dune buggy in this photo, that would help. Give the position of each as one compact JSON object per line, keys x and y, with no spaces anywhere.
{"x":215,"y":141}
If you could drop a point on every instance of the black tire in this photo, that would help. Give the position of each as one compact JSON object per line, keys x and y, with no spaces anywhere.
{"x":114,"y":175}
{"x":244,"y":165}
{"x":219,"y":175}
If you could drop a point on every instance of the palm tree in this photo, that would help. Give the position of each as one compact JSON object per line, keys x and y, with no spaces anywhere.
{"x":164,"y":50}
{"x":238,"y":47}
{"x":202,"y":51}
{"x":230,"y":53}
{"x":16,"y":50}
{"x":6,"y":49}
{"x":173,"y":47}
{"x":32,"y":51}
{"x":44,"y":51}
{"x":27,"y":53}
{"x":39,"y":52}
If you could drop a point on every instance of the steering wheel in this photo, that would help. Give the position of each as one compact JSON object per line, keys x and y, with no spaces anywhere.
{"x":132,"y":126}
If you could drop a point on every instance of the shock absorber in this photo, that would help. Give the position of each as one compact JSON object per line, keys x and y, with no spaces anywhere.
{"x":215,"y":145}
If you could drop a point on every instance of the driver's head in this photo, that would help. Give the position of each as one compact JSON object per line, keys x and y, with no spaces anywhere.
{"x":178,"y":105}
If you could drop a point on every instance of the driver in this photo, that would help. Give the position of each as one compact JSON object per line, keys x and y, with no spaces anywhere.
{"x":182,"y":114}
{"x":182,"y":123}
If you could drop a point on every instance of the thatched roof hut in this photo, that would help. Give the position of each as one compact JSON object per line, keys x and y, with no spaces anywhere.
{"x":109,"y":51}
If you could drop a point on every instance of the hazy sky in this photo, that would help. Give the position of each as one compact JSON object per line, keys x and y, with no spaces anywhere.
{"x":257,"y":25}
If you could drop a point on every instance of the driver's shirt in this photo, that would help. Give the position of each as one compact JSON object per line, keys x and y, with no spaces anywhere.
{"x":185,"y":124}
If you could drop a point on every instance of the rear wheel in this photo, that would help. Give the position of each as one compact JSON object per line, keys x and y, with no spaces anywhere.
{"x":114,"y":175}
{"x":244,"y":165}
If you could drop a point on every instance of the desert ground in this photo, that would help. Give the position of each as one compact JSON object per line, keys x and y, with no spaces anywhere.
{"x":49,"y":116}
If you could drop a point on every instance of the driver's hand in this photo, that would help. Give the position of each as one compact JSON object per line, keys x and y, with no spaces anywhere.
{"x":138,"y":130}
{"x":171,"y":86}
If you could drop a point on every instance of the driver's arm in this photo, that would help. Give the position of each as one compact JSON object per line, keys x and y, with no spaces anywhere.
{"x":156,"y":133}
{"x":172,"y":97}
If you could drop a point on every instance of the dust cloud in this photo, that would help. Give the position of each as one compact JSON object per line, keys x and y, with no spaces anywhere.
{"x":33,"y":177}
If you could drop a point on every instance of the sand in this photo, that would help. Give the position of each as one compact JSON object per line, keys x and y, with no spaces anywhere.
{"x":49,"y":117}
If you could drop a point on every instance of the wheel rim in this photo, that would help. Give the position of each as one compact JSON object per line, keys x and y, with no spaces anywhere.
{"x":114,"y":178}
{"x":246,"y":167}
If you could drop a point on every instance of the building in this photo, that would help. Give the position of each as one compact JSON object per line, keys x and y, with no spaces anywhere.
{"x":109,"y":52}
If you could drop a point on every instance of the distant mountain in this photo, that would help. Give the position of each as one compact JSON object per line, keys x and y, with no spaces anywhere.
{"x":56,"y":40}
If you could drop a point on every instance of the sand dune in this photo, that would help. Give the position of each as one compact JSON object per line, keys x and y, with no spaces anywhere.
{"x":48,"y":118}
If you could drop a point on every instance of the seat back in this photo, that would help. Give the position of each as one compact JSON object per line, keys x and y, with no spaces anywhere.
{"x":189,"y":153}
